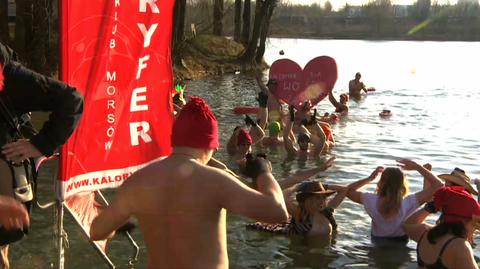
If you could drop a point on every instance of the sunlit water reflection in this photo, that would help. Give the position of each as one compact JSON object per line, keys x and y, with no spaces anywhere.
{"x":433,"y":91}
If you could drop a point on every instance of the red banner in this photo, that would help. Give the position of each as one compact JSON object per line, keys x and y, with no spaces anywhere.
{"x":118,"y":55}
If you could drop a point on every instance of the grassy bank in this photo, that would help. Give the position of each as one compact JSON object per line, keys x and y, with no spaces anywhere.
{"x":209,"y":55}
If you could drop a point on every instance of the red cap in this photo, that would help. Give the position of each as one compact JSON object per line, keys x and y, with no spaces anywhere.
{"x":456,"y":203}
{"x":1,"y":78}
{"x":244,"y":137}
{"x":195,"y":126}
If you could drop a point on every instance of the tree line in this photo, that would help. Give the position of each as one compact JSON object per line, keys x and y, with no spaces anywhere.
{"x":35,"y":34}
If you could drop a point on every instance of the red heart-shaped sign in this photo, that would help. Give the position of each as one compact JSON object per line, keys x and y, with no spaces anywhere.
{"x":295,"y":86}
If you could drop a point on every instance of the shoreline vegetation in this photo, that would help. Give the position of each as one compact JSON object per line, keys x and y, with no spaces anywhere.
{"x":200,"y":47}
{"x":210,"y":55}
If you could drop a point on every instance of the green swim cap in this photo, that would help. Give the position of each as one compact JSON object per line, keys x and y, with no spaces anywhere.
{"x":274,"y":128}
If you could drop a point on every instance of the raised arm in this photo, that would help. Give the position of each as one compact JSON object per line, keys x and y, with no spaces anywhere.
{"x":353,"y":193}
{"x":477,"y":185}
{"x":287,"y":141}
{"x":264,"y":204}
{"x":432,"y":181}
{"x":262,"y":114}
{"x":256,"y":132}
{"x":319,"y":139}
{"x":304,"y":175}
{"x":341,"y":194}
{"x":292,"y":207}
{"x":261,"y":85}
{"x":232,"y":142}
{"x":332,"y":99}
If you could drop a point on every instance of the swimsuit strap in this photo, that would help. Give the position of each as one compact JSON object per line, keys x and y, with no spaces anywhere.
{"x":445,"y":246}
{"x":419,"y":259}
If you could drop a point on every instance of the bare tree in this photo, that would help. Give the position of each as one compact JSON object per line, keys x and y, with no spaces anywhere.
{"x":246,"y":22}
{"x":264,"y":32}
{"x":218,"y":18}
{"x":179,"y":22}
{"x":37,"y":37}
{"x":262,"y":11}
{"x":237,"y":32}
{"x":4,"y":30}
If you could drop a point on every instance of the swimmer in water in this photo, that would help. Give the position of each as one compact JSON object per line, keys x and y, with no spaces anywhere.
{"x":274,"y":138}
{"x":305,"y":137}
{"x":342,"y":106}
{"x":313,"y":212}
{"x":355,"y":86}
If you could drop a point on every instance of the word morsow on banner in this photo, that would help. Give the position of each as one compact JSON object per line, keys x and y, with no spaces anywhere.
{"x":118,"y":55}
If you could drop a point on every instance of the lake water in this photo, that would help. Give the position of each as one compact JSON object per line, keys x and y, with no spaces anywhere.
{"x":433,"y":91}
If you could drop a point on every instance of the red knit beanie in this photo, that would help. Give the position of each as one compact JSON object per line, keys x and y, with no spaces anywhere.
{"x":456,"y":204}
{"x":195,"y":126}
{"x":1,"y":77}
{"x":244,"y":138}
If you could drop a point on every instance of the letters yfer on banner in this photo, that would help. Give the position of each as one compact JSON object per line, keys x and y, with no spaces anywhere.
{"x":118,"y":54}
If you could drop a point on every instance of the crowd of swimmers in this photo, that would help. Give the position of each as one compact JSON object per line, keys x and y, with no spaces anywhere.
{"x":181,"y":201}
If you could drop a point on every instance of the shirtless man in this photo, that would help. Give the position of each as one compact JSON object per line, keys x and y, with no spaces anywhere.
{"x":355,"y":86}
{"x":181,"y":203}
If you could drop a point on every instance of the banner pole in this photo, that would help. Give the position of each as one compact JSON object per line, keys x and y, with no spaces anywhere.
{"x":59,"y":205}
{"x":59,"y":232}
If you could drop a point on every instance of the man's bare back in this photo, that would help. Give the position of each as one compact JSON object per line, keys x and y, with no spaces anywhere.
{"x":178,"y":206}
{"x":181,"y":204}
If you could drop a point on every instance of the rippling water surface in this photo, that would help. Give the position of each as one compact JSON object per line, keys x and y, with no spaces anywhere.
{"x":433,"y":91}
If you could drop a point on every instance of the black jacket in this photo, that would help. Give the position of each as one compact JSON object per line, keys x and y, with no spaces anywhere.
{"x":28,"y":91}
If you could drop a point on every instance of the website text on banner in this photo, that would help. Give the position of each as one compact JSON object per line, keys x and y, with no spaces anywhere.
{"x":118,"y":53}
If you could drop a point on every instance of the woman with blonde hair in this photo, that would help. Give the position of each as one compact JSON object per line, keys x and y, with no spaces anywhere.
{"x":391,"y":203}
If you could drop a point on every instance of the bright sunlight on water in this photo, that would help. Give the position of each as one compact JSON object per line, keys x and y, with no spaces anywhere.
{"x":433,"y":92}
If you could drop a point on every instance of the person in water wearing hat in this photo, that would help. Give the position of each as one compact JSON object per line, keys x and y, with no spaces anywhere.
{"x":458,"y":177}
{"x":355,"y":86}
{"x":448,"y":244}
{"x":241,"y":140}
{"x":181,"y":203}
{"x":274,"y":138}
{"x":391,"y":203}
{"x":314,"y":135}
{"x":313,"y":214}
{"x":342,"y":106}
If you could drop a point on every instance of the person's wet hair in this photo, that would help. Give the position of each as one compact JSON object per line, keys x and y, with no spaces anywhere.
{"x":393,"y":187}
{"x":303,"y":138}
{"x":256,"y":165}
